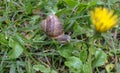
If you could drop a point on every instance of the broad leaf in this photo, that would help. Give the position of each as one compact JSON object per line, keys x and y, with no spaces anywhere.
{"x":83,"y":55}
{"x":66,"y":50}
{"x":41,"y":68}
{"x":71,"y":3}
{"x":100,"y":58}
{"x":17,"y":48}
{"x":86,"y":68}
{"x":75,"y":64}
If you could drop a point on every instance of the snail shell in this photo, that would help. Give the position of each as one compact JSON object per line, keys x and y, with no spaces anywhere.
{"x":54,"y":29}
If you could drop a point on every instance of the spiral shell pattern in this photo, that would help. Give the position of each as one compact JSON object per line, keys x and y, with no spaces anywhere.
{"x":52,"y":26}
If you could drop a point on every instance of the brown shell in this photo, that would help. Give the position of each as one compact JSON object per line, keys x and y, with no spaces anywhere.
{"x":52,"y":26}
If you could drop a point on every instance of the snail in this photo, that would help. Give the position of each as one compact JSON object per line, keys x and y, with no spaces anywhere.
{"x":54,"y":29}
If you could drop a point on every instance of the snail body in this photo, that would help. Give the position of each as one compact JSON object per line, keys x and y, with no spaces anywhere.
{"x":54,"y":29}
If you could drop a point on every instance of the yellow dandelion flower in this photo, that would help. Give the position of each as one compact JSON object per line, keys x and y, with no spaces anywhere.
{"x":103,"y":19}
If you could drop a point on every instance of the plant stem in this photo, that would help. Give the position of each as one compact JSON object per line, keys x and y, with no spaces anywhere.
{"x":90,"y":60}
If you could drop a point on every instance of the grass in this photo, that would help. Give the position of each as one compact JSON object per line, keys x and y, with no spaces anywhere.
{"x":25,"y":48}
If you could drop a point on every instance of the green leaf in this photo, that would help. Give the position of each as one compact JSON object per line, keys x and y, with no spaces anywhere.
{"x":100,"y":58}
{"x":78,"y":29}
{"x":66,"y":50}
{"x":3,"y":19}
{"x":12,"y":68}
{"x":71,"y":3}
{"x":53,"y":71}
{"x":113,"y":1}
{"x":3,"y":40}
{"x":118,"y":67}
{"x":28,"y":6}
{"x":86,"y":68}
{"x":91,"y":4}
{"x":17,"y":48}
{"x":99,"y":2}
{"x":83,"y":55}
{"x":34,"y":19}
{"x":74,"y":63}
{"x":41,"y":68}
